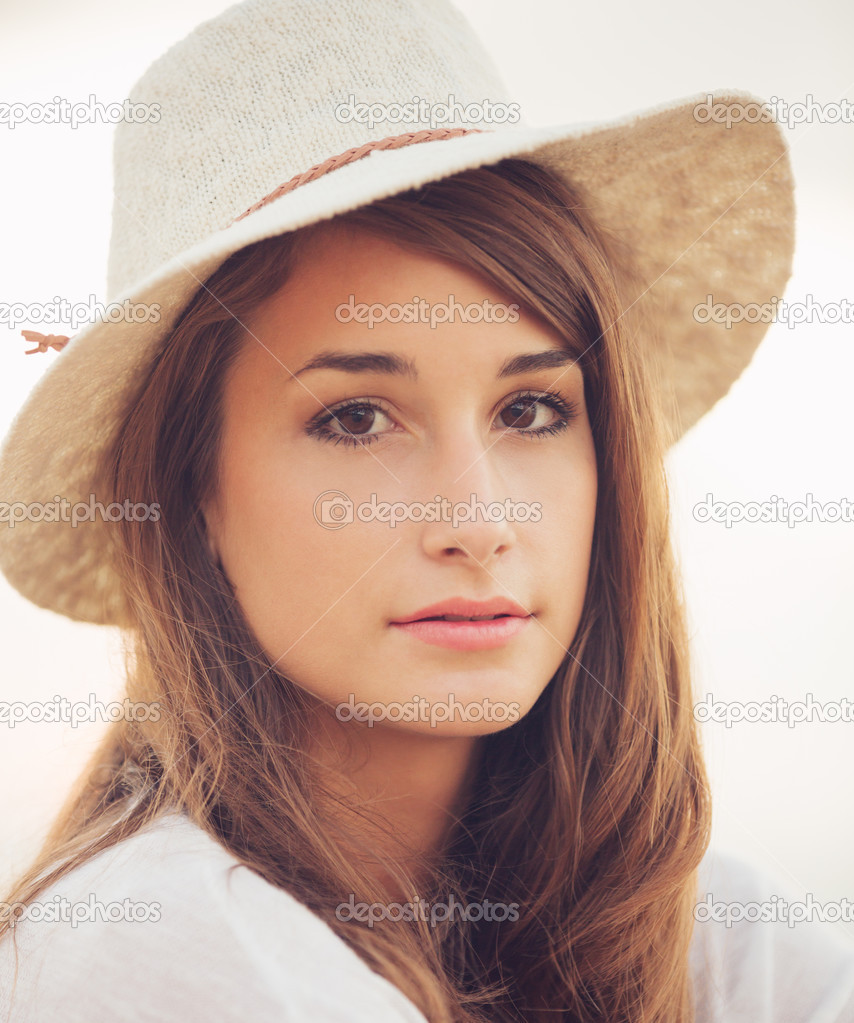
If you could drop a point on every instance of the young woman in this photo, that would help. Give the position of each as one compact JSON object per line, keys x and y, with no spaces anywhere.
{"x":411,"y":732}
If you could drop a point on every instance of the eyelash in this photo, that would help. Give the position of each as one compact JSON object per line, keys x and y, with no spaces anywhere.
{"x":566,"y":410}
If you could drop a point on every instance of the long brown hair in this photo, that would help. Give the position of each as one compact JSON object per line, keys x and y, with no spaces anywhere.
{"x":590,"y":813}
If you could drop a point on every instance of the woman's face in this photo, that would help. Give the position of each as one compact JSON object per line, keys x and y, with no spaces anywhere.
{"x":440,"y":415}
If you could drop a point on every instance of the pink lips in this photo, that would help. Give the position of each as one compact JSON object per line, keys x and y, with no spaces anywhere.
{"x":486,"y":635}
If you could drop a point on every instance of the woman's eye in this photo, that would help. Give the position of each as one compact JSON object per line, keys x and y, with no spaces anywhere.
{"x":537,"y":414}
{"x":530,"y":415}
{"x":350,"y":423}
{"x":358,"y":419}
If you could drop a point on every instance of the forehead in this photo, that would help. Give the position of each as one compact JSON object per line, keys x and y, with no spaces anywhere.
{"x":357,"y":290}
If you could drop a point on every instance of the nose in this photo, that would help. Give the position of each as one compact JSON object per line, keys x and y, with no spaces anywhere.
{"x":473,"y":527}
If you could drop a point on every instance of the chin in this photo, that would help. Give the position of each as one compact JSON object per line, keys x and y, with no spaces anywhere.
{"x":451,"y":729}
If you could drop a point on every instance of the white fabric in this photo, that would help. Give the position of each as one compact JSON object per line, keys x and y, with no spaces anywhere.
{"x":754,"y":972}
{"x":230,"y":947}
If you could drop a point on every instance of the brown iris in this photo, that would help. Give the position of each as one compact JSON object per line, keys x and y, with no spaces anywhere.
{"x":362,"y":416}
{"x":526,"y":415}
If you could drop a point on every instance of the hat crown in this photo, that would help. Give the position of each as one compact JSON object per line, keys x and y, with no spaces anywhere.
{"x":268,"y":89}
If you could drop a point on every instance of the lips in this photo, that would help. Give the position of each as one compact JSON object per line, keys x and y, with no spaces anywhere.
{"x":463,"y":608}
{"x":461,"y":624}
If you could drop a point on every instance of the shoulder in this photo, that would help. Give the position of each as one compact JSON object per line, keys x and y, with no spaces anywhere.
{"x":167,"y":925}
{"x":762,"y":951}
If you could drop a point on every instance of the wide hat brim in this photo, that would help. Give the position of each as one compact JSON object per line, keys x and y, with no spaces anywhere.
{"x":704,"y":207}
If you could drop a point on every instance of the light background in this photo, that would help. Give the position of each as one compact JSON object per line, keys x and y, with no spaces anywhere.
{"x":771,"y":606}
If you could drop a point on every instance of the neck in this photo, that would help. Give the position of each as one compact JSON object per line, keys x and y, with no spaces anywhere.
{"x":413,"y":787}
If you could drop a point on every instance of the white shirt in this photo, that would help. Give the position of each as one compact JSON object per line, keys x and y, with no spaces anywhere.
{"x":228,"y":947}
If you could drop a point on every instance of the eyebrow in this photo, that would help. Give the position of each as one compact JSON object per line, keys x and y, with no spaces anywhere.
{"x":388,"y":362}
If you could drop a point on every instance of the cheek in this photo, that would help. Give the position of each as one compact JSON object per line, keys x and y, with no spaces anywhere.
{"x":269,"y":540}
{"x":564,"y":537}
{"x":288,"y":570}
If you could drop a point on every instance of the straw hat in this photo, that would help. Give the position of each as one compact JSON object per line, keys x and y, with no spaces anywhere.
{"x":252,"y":126}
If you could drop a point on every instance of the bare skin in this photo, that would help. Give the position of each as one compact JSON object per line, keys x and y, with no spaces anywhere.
{"x":323,"y":601}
